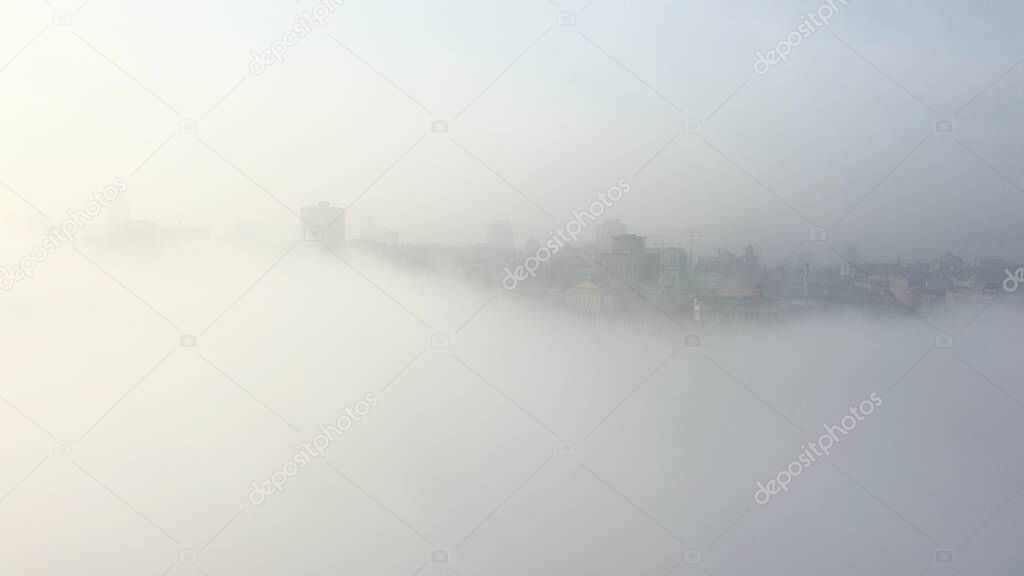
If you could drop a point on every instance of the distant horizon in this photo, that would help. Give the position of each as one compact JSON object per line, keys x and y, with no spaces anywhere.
{"x":509,"y":288}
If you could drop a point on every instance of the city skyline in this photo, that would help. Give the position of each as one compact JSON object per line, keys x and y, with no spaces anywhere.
{"x":865,"y":131}
{"x":508,"y":288}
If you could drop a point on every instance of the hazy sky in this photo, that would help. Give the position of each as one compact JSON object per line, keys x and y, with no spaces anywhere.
{"x":583,"y":106}
{"x":146,"y":388}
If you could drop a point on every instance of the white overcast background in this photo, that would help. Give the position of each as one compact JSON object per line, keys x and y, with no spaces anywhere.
{"x":125,"y":453}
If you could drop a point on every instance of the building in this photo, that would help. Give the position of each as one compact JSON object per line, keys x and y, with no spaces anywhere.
{"x":608,"y":230}
{"x":674,"y":265}
{"x":629,"y":243}
{"x":629,"y":261}
{"x":588,"y":295}
{"x":324,"y":223}
{"x":148,"y":235}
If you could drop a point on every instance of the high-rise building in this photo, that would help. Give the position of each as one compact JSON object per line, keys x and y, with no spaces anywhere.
{"x":674,"y":264}
{"x":629,"y":260}
{"x":629,"y":243}
{"x":324,"y":223}
{"x":608,"y":230}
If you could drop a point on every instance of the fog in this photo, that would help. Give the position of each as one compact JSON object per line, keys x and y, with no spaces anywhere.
{"x":566,"y":287}
{"x":462,"y":451}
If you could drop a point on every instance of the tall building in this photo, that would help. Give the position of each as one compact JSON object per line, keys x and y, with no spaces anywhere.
{"x":674,"y":264}
{"x":629,"y":243}
{"x":324,"y":223}
{"x":629,"y":260}
{"x":608,"y":230}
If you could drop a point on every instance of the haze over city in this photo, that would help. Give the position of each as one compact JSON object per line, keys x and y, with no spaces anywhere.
{"x":487,"y":288}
